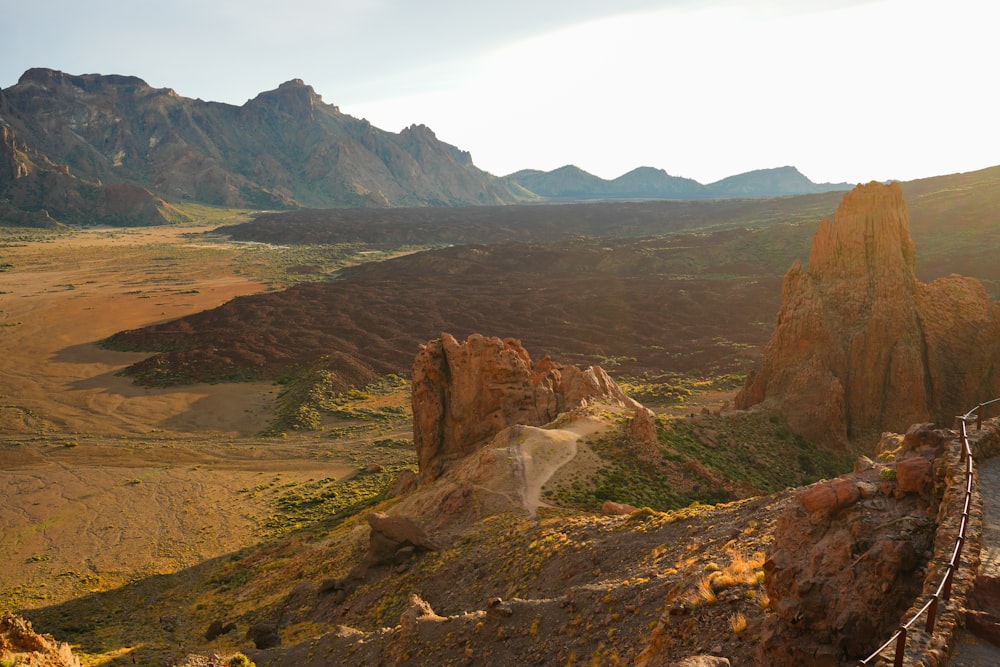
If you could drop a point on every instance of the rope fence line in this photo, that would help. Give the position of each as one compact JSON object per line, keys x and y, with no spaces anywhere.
{"x":943,"y":593}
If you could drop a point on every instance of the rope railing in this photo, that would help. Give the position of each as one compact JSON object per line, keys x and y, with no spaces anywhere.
{"x":943,"y":592}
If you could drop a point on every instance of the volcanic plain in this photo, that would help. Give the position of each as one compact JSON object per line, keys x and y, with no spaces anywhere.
{"x":147,"y":494}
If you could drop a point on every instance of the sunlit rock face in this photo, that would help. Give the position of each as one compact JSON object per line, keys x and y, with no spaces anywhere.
{"x":860,"y":345}
{"x":465,"y":393}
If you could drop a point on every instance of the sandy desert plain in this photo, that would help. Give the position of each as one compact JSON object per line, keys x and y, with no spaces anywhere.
{"x":104,"y":482}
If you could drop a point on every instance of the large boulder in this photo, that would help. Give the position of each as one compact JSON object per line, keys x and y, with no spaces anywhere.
{"x":860,"y":345}
{"x":466,"y":393}
{"x":395,"y":537}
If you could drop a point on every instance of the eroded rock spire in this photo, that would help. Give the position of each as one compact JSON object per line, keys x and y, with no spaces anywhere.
{"x":860,"y":345}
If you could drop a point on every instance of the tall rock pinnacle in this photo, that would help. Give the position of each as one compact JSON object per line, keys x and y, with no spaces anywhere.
{"x":862,"y":346}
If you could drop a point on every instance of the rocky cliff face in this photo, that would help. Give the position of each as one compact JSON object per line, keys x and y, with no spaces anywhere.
{"x":37,"y":192}
{"x":465,"y":393}
{"x":284,"y":148}
{"x":860,"y":345}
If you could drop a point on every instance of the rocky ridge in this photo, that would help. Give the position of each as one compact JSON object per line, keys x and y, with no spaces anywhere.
{"x":860,"y":345}
{"x":284,"y":148}
{"x":38,"y":192}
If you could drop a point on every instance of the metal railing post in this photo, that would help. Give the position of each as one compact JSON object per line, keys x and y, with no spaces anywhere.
{"x":931,"y":616}
{"x":900,"y":647}
{"x":950,"y":571}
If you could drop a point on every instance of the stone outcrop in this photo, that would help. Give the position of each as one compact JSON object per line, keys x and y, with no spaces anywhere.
{"x":395,"y":538}
{"x":393,"y":542}
{"x":850,"y":553}
{"x":20,"y":644}
{"x":860,"y":345}
{"x":466,"y":393}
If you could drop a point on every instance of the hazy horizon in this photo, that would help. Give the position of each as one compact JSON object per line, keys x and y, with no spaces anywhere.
{"x":844,"y":90}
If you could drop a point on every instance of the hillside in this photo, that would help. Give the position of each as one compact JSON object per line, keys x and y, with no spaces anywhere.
{"x":37,"y":192}
{"x":571,"y":182}
{"x":284,"y":148}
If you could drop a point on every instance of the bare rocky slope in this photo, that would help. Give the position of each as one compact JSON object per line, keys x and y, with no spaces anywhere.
{"x":861,"y":346}
{"x":38,"y":192}
{"x":63,"y":134}
{"x":467,"y":568}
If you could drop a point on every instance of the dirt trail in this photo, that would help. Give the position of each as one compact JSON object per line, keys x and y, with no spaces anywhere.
{"x":543,"y":452}
{"x":969,"y":650}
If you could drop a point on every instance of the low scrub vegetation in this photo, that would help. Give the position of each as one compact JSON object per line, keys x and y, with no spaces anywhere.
{"x":311,"y":398}
{"x":703,"y":459}
{"x":674,"y":388}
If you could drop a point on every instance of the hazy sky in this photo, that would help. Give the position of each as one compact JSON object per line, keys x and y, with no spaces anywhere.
{"x":846,"y":90}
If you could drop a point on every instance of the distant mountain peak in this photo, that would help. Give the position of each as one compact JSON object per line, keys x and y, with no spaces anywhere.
{"x":571,"y":182}
{"x":294,"y":97}
{"x":777,"y":181}
{"x":52,"y":79}
{"x":76,"y":134}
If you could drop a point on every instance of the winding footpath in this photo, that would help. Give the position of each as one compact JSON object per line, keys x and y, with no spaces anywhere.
{"x":969,"y":650}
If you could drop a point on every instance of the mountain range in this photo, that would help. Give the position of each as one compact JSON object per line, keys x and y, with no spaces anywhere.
{"x":109,"y":148}
{"x":571,"y":182}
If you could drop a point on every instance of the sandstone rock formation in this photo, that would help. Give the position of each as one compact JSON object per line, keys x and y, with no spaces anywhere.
{"x":860,"y":345}
{"x":465,"y":393}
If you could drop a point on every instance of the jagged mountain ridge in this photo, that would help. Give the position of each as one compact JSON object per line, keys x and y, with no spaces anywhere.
{"x":68,"y":138}
{"x":571,"y":182}
{"x":285,"y":148}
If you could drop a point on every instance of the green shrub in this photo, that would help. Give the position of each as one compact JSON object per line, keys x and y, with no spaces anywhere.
{"x":240,"y":660}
